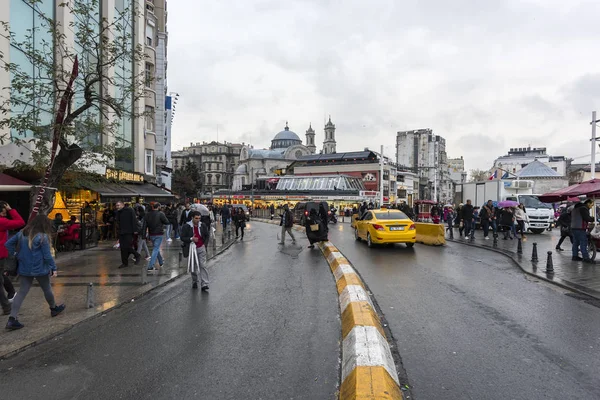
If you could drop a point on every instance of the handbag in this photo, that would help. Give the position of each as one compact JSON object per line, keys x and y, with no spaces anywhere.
{"x":193,"y":262}
{"x":314,"y":227}
{"x":11,"y":265}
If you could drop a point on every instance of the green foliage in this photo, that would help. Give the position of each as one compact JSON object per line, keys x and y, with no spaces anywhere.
{"x":100,"y":99}
{"x":187,"y":180}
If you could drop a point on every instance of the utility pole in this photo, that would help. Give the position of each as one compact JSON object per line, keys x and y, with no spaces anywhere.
{"x":381,"y":177}
{"x":593,"y":163}
{"x":434,"y":183}
{"x":252,"y":183}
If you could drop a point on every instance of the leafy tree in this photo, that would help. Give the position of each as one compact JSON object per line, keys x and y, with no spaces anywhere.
{"x":478,"y":175}
{"x":186,"y":181}
{"x":105,"y":92}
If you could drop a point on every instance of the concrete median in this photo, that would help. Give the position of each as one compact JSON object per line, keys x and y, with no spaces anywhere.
{"x":430,"y":234}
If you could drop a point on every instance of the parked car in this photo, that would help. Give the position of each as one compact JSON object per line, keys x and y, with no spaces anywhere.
{"x":303,"y":208}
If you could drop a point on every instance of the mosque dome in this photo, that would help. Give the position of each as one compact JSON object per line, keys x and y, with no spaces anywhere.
{"x":285,"y":139}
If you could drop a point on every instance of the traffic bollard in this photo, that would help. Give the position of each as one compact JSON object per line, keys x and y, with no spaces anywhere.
{"x":214,"y":244}
{"x":180,"y":258}
{"x":144,"y":275}
{"x":549,"y":264}
{"x":495,"y":236}
{"x":90,"y":295}
{"x":519,"y":246}
{"x":534,"y":255}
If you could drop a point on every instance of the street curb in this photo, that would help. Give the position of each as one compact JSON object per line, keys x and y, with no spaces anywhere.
{"x":368,"y":367}
{"x":517,"y":261}
{"x":13,"y":353}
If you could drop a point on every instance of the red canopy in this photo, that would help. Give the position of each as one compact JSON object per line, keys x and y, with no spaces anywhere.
{"x":10,"y":184}
{"x":589,"y":188}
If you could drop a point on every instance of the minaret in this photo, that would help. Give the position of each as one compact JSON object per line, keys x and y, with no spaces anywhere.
{"x":310,"y":139}
{"x":329,"y":142}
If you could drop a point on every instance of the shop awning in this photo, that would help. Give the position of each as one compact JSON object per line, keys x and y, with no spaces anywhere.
{"x":10,"y":184}
{"x":148,"y":191}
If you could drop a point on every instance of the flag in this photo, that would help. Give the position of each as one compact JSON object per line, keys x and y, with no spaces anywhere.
{"x":505,"y":176}
{"x":494,"y":175}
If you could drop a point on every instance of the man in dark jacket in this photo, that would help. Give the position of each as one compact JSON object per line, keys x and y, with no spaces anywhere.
{"x":185,"y":215}
{"x":155,"y":221}
{"x":286,"y":223}
{"x":487,"y":218}
{"x":467,"y":218}
{"x":225,"y":216}
{"x":127,"y":222}
{"x":6,"y":224}
{"x":196,"y":233}
{"x":580,"y":218}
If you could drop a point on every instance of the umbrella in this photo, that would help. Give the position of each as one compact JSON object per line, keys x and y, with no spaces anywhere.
{"x":201,"y":208}
{"x":507,"y":203}
{"x":588,"y":188}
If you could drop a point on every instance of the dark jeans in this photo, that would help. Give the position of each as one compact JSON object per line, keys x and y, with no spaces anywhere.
{"x":125,"y":243}
{"x":580,"y":242}
{"x":468,"y":227}
{"x":485,"y":224}
{"x":237,"y":228}
{"x":563,"y":236}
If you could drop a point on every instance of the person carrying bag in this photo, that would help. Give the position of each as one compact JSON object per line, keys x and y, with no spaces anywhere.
{"x":195,"y":235}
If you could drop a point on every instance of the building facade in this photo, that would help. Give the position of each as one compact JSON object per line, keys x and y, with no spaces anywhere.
{"x":517,"y":158}
{"x":135,"y":138}
{"x":425,"y":153}
{"x":217,"y":162}
{"x":456,"y":169}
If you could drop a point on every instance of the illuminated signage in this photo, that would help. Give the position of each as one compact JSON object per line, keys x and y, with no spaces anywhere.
{"x":124,"y":176}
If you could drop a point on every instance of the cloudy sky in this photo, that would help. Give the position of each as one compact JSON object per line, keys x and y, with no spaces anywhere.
{"x":486,"y":75}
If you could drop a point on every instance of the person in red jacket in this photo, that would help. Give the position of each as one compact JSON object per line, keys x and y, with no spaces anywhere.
{"x":6,"y":224}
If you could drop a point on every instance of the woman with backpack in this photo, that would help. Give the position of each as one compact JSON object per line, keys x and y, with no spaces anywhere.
{"x":32,"y":246}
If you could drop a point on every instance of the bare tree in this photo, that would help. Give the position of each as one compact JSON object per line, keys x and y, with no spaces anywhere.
{"x":478,"y":175}
{"x":108,"y":85}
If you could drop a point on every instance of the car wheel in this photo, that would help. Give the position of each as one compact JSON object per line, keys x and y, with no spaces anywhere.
{"x":369,"y":241}
{"x":409,"y":245}
{"x":591,"y":248}
{"x":356,"y":237}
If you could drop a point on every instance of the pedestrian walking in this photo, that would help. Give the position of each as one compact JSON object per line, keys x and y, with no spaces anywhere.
{"x":32,"y":246}
{"x":184,"y":219}
{"x":155,"y":221}
{"x":507,"y":221}
{"x":177,"y":226}
{"x":141,"y":235}
{"x":195,"y":235}
{"x":127,"y":225}
{"x":521,"y":219}
{"x":315,"y":228}
{"x":450,"y":215}
{"x":287,"y":222}
{"x":171,"y":219}
{"x":488,"y":216}
{"x":272,"y":210}
{"x":580,"y":218}
{"x":467,"y":218}
{"x":324,"y":216}
{"x":564,"y":222}
{"x":7,"y":224}
{"x":225,"y":217}
{"x":240,"y":222}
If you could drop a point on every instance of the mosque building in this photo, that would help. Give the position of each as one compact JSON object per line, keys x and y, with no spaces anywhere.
{"x":286,"y":147}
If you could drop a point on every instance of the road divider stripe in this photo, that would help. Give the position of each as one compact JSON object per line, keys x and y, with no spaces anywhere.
{"x":368,"y":369}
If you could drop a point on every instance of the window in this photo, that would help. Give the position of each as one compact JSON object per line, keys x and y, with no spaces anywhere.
{"x":149,"y":111}
{"x":149,"y":35}
{"x":149,"y":162}
{"x":149,"y":78}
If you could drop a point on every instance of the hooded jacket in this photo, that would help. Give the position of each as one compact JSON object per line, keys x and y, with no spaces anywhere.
{"x":34,"y":261}
{"x":155,"y":220}
{"x":6,"y":225}
{"x":580,"y":217}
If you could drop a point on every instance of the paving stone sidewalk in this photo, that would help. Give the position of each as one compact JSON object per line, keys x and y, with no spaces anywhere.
{"x":583,"y":278}
{"x":112,"y":287}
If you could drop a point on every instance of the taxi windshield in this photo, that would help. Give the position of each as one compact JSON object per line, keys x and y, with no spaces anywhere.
{"x":390,"y":215}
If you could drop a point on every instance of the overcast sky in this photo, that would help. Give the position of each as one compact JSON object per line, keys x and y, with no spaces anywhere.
{"x":486,"y":75}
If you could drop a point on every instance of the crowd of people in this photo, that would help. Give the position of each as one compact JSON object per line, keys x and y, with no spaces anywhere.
{"x":573,"y":219}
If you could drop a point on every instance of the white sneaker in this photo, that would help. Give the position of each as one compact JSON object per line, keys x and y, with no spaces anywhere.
{"x":10,"y":300}
{"x":466,"y":237}
{"x":486,"y":238}
{"x":169,"y":240}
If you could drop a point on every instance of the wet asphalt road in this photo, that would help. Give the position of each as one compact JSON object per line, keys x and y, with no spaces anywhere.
{"x":268,"y":329}
{"x":470,"y":325}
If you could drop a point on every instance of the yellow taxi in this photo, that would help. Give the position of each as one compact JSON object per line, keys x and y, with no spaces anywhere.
{"x":385,"y":226}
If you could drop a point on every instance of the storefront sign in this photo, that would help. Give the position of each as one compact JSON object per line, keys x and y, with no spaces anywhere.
{"x":124,"y":176}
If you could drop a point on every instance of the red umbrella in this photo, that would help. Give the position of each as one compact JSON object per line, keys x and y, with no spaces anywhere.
{"x":588,"y":188}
